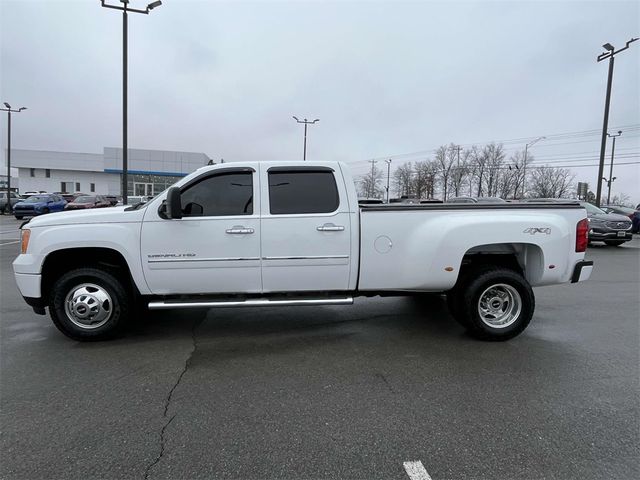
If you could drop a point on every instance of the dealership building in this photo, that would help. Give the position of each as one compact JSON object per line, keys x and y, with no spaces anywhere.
{"x":149,"y":171}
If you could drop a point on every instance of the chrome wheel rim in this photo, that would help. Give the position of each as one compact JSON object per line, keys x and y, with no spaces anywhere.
{"x":499,"y":305}
{"x":88,"y":306}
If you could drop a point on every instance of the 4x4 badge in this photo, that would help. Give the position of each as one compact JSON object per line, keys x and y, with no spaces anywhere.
{"x":534,"y":230}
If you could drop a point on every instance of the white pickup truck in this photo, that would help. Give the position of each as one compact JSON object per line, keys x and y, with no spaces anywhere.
{"x":265,"y":234}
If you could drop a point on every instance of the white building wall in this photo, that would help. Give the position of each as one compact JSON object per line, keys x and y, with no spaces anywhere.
{"x":105,"y":183}
{"x":103,"y":169}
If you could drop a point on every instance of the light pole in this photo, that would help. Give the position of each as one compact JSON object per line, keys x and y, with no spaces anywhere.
{"x":524,"y":165}
{"x":125,"y":9}
{"x":9,"y":111}
{"x":306,"y":122}
{"x":611,"y":177}
{"x":388,"y":162}
{"x":610,"y":53}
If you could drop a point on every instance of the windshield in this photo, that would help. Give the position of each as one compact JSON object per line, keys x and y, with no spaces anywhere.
{"x":85,"y":199}
{"x":593,"y":209}
{"x":36,"y":199}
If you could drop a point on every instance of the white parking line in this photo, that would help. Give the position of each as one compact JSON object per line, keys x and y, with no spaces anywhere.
{"x":9,"y":243}
{"x":416,"y":470}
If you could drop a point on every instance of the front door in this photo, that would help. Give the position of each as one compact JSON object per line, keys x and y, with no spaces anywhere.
{"x":306,"y":232}
{"x":215,"y":247}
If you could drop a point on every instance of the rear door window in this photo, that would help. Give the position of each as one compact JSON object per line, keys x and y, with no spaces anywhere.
{"x":304,"y":191}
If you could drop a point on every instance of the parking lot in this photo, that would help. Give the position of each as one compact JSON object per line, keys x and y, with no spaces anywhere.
{"x":329,"y":392}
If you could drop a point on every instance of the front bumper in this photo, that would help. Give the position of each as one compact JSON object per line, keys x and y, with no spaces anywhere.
{"x":582,"y":271}
{"x":29,"y":284}
{"x":609,"y":235}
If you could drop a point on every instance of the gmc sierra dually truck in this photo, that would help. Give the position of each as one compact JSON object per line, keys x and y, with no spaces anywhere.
{"x":276,"y":233}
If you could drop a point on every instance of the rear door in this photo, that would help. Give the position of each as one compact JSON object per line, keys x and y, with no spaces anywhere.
{"x":306,"y":232}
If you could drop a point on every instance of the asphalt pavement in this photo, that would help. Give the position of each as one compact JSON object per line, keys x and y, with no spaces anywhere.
{"x":329,"y":392}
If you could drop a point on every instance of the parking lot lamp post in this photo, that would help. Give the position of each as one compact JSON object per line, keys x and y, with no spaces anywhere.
{"x":125,"y":10}
{"x":9,"y":111}
{"x":524,"y":165}
{"x":611,"y":177}
{"x":610,"y":53}
{"x":306,"y":122}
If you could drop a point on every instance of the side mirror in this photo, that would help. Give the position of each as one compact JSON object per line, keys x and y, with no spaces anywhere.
{"x":174,"y":206}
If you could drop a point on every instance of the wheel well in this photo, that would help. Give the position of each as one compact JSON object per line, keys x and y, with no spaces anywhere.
{"x":61,"y":261}
{"x":526,"y":259}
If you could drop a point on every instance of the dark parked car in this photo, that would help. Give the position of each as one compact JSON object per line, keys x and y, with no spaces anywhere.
{"x":88,"y":201}
{"x":15,"y":198}
{"x":112,"y":199}
{"x":38,"y":205}
{"x":633,"y":214}
{"x":610,"y":228}
{"x":476,"y":200}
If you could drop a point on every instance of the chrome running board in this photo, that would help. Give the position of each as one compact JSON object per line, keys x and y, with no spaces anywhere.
{"x":257,"y":302}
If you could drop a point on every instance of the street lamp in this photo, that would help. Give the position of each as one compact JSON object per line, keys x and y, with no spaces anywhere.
{"x":306,"y":122}
{"x":524,"y":166}
{"x":126,"y":9}
{"x":9,"y":111}
{"x":611,"y":177}
{"x":610,"y":53}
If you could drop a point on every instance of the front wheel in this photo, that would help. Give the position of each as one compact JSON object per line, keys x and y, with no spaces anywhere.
{"x":19,"y":217}
{"x":614,"y":243}
{"x":89,"y":304}
{"x":496,"y":305}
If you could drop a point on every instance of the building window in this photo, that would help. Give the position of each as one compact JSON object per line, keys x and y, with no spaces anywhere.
{"x":66,"y":187}
{"x":77,"y":186}
{"x":47,"y":173}
{"x":32,"y":172}
{"x":92,"y":187}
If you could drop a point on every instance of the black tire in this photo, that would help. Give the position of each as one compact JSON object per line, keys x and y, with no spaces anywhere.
{"x":507,"y":282}
{"x":455,"y":295}
{"x":117,"y":305}
{"x":614,"y":243}
{"x":19,"y":217}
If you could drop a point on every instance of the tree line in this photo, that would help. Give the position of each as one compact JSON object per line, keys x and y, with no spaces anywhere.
{"x":478,"y":171}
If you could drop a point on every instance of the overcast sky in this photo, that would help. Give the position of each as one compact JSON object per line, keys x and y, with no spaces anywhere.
{"x":384,"y":78}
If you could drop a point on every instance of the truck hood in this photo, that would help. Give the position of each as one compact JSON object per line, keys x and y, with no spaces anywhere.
{"x":92,"y":215}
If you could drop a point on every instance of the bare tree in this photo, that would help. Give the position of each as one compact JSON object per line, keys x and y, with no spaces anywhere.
{"x":494,"y":163}
{"x":550,"y":182}
{"x":403,"y":179}
{"x":621,"y":199}
{"x":370,"y":184}
{"x":445,"y":159}
{"x":425,"y":178}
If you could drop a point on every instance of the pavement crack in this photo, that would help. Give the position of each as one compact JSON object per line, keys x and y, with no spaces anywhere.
{"x":386,"y":382}
{"x":167,"y":402}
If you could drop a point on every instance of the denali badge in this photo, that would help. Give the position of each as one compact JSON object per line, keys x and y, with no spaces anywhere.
{"x":534,"y":230}
{"x":172,"y":255}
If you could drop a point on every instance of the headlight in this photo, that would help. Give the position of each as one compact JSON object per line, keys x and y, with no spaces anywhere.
{"x":25,"y":234}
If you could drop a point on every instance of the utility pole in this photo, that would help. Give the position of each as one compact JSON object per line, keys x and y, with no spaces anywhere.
{"x":610,"y":53}
{"x":611,"y":177}
{"x":125,"y":42}
{"x":388,"y":162}
{"x":9,"y":111}
{"x":306,"y":122}
{"x":524,"y":166}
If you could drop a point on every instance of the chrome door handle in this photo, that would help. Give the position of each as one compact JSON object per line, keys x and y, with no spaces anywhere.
{"x":330,"y":227}
{"x":240,"y":230}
